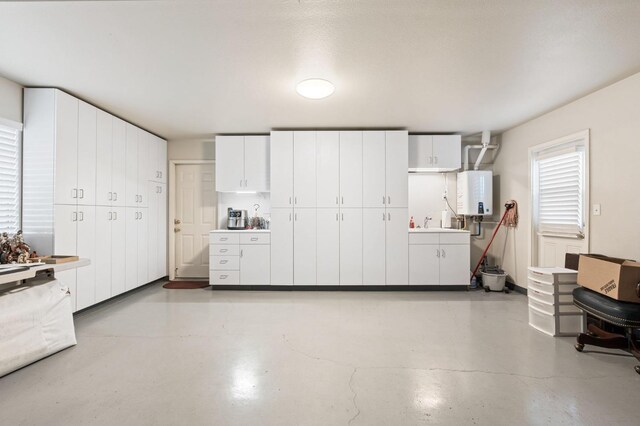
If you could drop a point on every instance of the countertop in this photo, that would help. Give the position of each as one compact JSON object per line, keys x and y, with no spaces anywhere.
{"x":239,"y":230}
{"x":38,"y":267}
{"x":438,"y":230}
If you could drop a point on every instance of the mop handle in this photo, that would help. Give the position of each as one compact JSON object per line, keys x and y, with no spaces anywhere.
{"x":508,"y":207}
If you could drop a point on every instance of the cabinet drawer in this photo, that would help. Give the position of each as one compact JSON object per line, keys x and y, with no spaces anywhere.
{"x":424,"y":238}
{"x":454,"y":238}
{"x":224,"y":238}
{"x":224,"y":263}
{"x":255,"y":238}
{"x":224,"y":277}
{"x":224,"y":250}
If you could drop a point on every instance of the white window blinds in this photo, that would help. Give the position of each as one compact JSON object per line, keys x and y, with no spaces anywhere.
{"x":9,"y":179}
{"x":560,"y":193}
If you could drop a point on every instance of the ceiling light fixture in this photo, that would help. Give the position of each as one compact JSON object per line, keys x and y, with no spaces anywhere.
{"x":315,"y":88}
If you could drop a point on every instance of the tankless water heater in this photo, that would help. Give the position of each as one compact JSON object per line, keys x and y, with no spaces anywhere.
{"x":475,"y":193}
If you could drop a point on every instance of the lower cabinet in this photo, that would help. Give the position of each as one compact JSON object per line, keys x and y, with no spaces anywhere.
{"x":282,"y":243}
{"x":304,"y":244}
{"x":374,"y":224}
{"x":351,"y":246}
{"x":327,"y":243}
{"x":439,"y":258}
{"x":397,"y":247}
{"x":241,"y":257}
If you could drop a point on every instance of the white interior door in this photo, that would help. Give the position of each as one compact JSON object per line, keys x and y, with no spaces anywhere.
{"x":373,"y":169}
{"x":373,"y":246}
{"x":304,"y":169}
{"x":281,"y":169}
{"x":397,"y":246}
{"x":196,"y":206}
{"x":328,"y":168}
{"x":304,"y":244}
{"x":328,"y":246}
{"x":256,"y":163}
{"x":162,"y":230}
{"x":351,"y":169}
{"x":397,"y":164}
{"x":282,"y":246}
{"x":350,"y":246}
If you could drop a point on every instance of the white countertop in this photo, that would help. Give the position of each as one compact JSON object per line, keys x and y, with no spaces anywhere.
{"x":215,"y":231}
{"x":438,"y":230}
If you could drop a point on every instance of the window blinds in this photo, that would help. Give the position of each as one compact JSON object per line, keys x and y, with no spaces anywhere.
{"x":561,"y":194}
{"x":9,"y":179}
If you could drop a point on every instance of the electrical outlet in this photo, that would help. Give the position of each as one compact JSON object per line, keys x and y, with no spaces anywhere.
{"x":596,"y":209}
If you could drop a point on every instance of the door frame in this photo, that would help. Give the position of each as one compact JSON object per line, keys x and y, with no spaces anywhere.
{"x":533,"y":240}
{"x":172,"y":209}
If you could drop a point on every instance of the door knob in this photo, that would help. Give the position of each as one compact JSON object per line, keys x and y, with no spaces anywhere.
{"x":176,"y":221}
{"x":176,"y":229}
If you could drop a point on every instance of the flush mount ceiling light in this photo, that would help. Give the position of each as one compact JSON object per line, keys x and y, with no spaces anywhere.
{"x":315,"y":88}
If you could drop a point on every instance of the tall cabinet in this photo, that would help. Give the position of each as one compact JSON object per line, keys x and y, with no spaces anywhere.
{"x":339,"y":207}
{"x":93,"y":186}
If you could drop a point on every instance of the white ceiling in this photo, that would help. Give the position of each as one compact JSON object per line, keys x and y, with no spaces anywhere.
{"x":188,"y":69}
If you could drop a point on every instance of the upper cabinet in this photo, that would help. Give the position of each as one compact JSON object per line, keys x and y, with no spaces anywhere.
{"x":242,"y":163}
{"x":281,"y":169}
{"x":435,"y":153}
{"x":384,"y":169}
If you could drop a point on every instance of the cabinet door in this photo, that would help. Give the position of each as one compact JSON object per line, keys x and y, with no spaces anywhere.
{"x":373,"y":246}
{"x":152,"y":232}
{"x":281,"y":169}
{"x":119,"y":250}
{"x":397,"y":165}
{"x":304,"y":169}
{"x":66,"y":155}
{"x":162,"y":231}
{"x":65,"y":230}
{"x":328,"y":169}
{"x":455,"y":264}
{"x":104,"y":142}
{"x":143,"y":246}
{"x":447,"y":151}
{"x":131,"y":248}
{"x":373,"y":169}
{"x":256,"y":163}
{"x":328,"y":246}
{"x":102,"y":259}
{"x":87,"y":116}
{"x":118,"y":164}
{"x":420,"y":151}
{"x":281,"y":246}
{"x":255,"y":264}
{"x":397,"y":246}
{"x":153,"y":173}
{"x":87,"y":249}
{"x":351,"y":169}
{"x":304,"y":244}
{"x":162,"y":160}
{"x":424,"y":264}
{"x":350,"y":246}
{"x":131,"y":173}
{"x":144,"y":146}
{"x":230,"y":163}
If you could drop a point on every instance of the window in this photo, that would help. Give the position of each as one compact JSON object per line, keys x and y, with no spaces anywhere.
{"x":559,"y":188}
{"x":9,"y":178}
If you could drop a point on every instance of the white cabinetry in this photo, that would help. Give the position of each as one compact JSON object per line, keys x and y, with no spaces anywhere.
{"x":351,"y":246}
{"x":439,"y":258}
{"x":373,"y":169}
{"x":304,"y":169}
{"x":281,"y":169}
{"x":397,"y":247}
{"x":351,"y":169}
{"x":81,"y":167}
{"x":435,"y":152}
{"x":241,"y":257}
{"x":327,"y":246}
{"x":282,"y":257}
{"x":242,"y":163}
{"x":374,"y":246}
{"x":304,"y":243}
{"x":328,"y":169}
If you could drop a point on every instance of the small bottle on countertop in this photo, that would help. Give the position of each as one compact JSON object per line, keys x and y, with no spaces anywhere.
{"x":412,"y":224}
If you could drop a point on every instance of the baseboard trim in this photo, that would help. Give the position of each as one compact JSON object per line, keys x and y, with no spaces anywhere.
{"x":122,"y":295}
{"x":341,"y":287}
{"x":518,"y":289}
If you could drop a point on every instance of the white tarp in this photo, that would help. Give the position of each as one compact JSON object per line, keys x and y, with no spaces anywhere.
{"x":35,"y":321}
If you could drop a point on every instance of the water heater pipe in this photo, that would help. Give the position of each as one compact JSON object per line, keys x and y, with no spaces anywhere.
{"x":486,"y":138}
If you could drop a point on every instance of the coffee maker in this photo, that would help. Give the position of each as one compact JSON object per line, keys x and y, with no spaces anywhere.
{"x":236,"y":219}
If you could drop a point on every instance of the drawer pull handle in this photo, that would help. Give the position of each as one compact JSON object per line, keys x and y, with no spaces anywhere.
{"x":223,"y":277}
{"x":254,"y":238}
{"x":223,"y":262}
{"x":223,"y":239}
{"x":223,"y":250}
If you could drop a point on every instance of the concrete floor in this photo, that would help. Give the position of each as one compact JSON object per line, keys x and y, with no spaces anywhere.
{"x":190,"y":357}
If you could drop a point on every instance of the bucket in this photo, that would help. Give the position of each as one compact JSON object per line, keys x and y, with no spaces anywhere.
{"x":494,"y":281}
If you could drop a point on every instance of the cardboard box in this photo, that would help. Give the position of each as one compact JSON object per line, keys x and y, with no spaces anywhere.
{"x":617,"y":278}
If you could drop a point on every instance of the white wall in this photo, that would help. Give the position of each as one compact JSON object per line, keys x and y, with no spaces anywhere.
{"x":613,"y":116}
{"x":10,"y":100}
{"x":192,"y":149}
{"x":425,"y":196}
